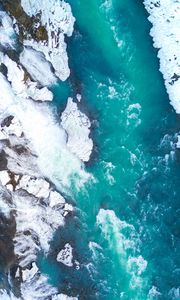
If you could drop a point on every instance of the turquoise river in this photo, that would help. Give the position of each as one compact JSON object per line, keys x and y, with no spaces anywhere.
{"x":125,"y":230}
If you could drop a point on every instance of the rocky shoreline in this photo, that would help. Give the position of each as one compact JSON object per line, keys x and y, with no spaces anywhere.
{"x":39,"y":155}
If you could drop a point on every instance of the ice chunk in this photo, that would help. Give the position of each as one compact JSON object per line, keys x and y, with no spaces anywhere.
{"x":77,"y":127}
{"x":65,"y":255}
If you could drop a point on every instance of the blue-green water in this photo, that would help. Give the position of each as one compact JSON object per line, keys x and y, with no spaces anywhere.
{"x":135,"y":164}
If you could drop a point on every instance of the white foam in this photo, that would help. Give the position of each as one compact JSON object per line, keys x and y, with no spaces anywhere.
{"x":5,"y":296}
{"x":58,"y":20}
{"x":77,"y":126}
{"x":5,"y":202}
{"x":63,"y":297}
{"x":122,"y":238}
{"x":36,"y":290}
{"x":178,"y":142}
{"x":47,"y":137}
{"x":35,"y":286}
{"x":133,"y":114}
{"x":7,"y":34}
{"x":174,"y":293}
{"x":165,"y":18}
{"x":108,"y":168}
{"x":95,"y":248}
{"x":153,"y":293}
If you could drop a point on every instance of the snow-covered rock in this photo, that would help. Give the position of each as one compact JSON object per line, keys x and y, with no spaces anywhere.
{"x":36,"y":224}
{"x":37,"y":94}
{"x":37,"y":66}
{"x":14,"y":128}
{"x":28,"y":89}
{"x":65,"y":256}
{"x":38,"y":187}
{"x":55,"y":199}
{"x":77,"y":126}
{"x":67,"y":208}
{"x":57,"y":18}
{"x":35,"y":286}
{"x":165,"y":18}
{"x":28,"y":274}
{"x":4,"y":177}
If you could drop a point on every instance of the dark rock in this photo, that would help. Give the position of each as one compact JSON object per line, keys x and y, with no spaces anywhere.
{"x":7,"y":121}
{"x":3,"y":161}
{"x":7,"y":232}
{"x":25,"y":22}
{"x":3,"y":69}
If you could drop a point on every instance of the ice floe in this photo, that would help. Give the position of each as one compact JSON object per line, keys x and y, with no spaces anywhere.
{"x":165,"y":18}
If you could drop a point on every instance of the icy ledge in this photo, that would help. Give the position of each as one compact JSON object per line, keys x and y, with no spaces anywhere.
{"x":165,"y":18}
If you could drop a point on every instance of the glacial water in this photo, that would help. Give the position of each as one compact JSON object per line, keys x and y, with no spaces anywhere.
{"x":125,"y":231}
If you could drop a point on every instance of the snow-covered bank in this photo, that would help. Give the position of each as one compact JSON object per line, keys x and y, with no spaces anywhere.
{"x":41,"y":154}
{"x":165,"y":18}
{"x":37,"y":208}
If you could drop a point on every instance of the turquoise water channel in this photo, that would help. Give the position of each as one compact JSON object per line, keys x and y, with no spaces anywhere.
{"x":125,"y":231}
